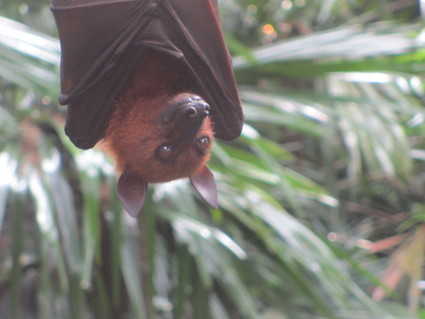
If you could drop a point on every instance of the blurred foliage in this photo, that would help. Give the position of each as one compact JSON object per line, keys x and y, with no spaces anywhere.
{"x":321,"y":199}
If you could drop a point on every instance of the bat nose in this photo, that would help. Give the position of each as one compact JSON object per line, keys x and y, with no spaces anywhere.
{"x":186,"y":108}
{"x":200,"y":109}
{"x":185,"y":115}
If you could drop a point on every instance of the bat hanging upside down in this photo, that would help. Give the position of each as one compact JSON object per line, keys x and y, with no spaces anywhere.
{"x":151,"y":82}
{"x":170,"y":139}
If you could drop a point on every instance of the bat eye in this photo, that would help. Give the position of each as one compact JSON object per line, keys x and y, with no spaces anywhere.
{"x":203,"y":143}
{"x":164,"y":153}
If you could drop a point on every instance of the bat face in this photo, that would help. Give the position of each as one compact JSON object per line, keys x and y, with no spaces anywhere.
{"x":172,"y":143}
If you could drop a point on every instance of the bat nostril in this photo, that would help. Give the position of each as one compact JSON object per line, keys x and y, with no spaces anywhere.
{"x":191,"y":112}
{"x":207,"y":109}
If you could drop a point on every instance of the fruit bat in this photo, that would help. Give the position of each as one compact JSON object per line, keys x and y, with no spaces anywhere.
{"x":151,"y":82}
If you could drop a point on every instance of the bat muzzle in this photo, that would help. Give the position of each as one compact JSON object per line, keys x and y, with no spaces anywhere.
{"x":185,"y":115}
{"x":190,"y":118}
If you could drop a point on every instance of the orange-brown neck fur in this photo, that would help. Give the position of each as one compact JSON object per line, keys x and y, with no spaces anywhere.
{"x":135,"y":130}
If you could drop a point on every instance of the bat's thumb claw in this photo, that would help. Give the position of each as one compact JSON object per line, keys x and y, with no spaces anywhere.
{"x":204,"y":183}
{"x":132,"y":192}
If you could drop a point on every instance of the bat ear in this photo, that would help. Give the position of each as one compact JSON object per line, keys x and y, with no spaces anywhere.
{"x":204,"y":183}
{"x":132,"y":192}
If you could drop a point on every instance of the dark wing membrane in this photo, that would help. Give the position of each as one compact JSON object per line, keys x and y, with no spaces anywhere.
{"x":101,"y":42}
{"x":200,"y":22}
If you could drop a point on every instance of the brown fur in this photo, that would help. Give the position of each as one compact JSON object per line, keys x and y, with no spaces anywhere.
{"x":135,"y":130}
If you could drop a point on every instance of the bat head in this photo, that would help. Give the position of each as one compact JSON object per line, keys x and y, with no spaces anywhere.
{"x":170,"y":139}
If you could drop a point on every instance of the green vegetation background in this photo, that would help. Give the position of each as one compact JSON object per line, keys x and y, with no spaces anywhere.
{"x":321,"y":199}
